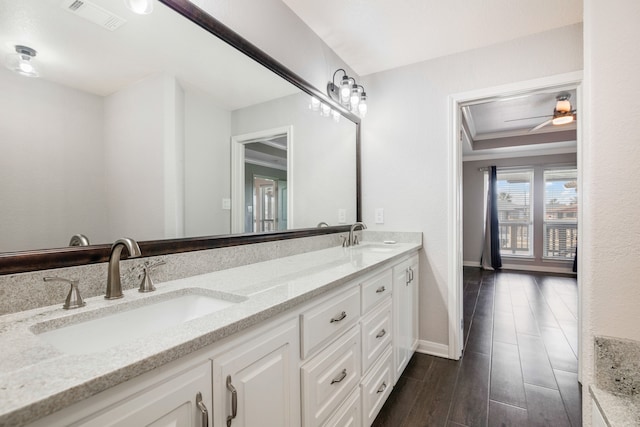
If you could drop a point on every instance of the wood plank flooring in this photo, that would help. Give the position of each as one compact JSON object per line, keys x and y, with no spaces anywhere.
{"x":520,"y":360}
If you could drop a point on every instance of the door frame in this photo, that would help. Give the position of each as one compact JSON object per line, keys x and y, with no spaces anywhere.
{"x":237,"y":173}
{"x":454,"y":191}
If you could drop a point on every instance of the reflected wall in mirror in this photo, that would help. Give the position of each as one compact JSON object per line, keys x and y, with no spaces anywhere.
{"x":128,"y":130}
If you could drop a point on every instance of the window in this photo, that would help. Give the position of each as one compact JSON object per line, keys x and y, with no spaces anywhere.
{"x":560,"y":213}
{"x":514,"y":189}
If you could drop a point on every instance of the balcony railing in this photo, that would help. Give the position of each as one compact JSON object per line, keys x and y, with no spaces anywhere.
{"x":560,"y":239}
{"x":514,"y":238}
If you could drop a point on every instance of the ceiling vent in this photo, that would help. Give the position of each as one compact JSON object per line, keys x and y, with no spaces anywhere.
{"x":94,"y":13}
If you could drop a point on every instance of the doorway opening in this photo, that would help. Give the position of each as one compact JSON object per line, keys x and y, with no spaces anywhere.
{"x":261,"y":170}
{"x":458,"y":137}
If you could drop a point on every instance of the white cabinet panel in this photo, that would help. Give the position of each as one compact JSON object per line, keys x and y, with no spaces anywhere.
{"x":377,"y":333}
{"x":405,"y":313}
{"x":376,"y":289}
{"x":258,"y":384}
{"x":349,"y":414}
{"x":376,"y":387}
{"x":329,"y":377}
{"x":170,"y":403}
{"x":324,"y":322}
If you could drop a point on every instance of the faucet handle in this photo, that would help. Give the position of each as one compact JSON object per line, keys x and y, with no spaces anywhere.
{"x":74,"y":299}
{"x":147,"y":282}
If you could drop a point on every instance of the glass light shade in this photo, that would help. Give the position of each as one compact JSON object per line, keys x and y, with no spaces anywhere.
{"x":141,"y":7}
{"x":325,"y":110}
{"x":362,"y":107}
{"x":335,"y":115}
{"x":355,"y":97}
{"x":563,"y":105}
{"x":563,"y":120}
{"x":345,"y":89}
{"x":22,"y":64}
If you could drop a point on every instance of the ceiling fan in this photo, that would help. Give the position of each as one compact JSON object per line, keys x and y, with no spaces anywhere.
{"x":563,"y":113}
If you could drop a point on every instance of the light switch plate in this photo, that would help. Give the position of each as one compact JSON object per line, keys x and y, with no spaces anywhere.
{"x":342,"y":216}
{"x":226,"y":204}
{"x":379,"y":216}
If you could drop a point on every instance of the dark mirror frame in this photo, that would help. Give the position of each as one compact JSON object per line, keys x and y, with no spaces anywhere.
{"x":24,"y":261}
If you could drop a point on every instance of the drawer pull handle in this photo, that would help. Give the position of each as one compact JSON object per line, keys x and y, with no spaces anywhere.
{"x":204,"y":413}
{"x":339,"y":317}
{"x":340,"y":377}
{"x":382,"y":388}
{"x":381,"y":334}
{"x":234,"y":401}
{"x":380,"y":290}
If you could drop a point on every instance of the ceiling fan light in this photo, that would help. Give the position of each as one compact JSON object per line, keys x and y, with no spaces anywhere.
{"x":563,"y":105}
{"x":562,"y":120}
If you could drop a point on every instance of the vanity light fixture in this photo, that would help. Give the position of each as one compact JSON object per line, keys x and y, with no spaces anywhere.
{"x":348,"y":93}
{"x":141,"y":7}
{"x":22,"y":61}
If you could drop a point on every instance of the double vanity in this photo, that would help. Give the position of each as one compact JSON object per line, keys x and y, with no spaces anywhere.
{"x":313,"y":339}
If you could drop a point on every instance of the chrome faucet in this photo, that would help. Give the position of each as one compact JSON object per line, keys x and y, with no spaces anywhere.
{"x":79,"y":240}
{"x":114,"y":285}
{"x":353,"y":239}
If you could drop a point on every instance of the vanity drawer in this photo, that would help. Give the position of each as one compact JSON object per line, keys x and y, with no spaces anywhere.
{"x":329,"y":377}
{"x":376,"y":387}
{"x":328,"y":320}
{"x":375,"y":289}
{"x":349,"y":414}
{"x":376,"y":334}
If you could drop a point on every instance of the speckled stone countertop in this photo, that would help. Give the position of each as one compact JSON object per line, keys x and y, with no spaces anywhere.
{"x":617,"y":386}
{"x":36,"y":379}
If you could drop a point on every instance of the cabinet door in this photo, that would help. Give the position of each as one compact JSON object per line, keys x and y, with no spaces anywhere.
{"x":405,"y":313}
{"x":258,"y":383}
{"x":177,"y":402}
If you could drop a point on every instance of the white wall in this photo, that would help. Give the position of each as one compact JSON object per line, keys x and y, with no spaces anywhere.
{"x":324,"y":157}
{"x":138,"y":155}
{"x":473,"y":209}
{"x":611,"y":163}
{"x":405,"y":144}
{"x":51,"y":181}
{"x":208,"y":165}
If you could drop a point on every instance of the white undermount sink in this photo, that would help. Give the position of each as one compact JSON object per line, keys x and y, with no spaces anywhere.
{"x":117,"y":328}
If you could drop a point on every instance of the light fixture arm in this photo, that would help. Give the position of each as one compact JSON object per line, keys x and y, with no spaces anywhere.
{"x":345,"y":92}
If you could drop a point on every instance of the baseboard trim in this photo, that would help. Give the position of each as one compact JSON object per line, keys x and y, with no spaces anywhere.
{"x":525,"y":267}
{"x":433,"y":348}
{"x":540,"y":268}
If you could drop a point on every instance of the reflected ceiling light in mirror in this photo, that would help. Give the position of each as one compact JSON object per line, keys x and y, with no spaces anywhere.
{"x":141,"y":7}
{"x":348,"y":93}
{"x":22,"y":61}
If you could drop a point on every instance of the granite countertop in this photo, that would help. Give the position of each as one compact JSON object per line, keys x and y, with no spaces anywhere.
{"x":617,"y":410}
{"x":36,"y":379}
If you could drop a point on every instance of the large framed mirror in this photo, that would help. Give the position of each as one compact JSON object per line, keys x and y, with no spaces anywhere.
{"x":168,"y":128}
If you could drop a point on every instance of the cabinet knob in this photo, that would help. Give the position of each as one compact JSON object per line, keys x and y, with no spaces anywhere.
{"x":381,"y":334}
{"x":382,"y":388}
{"x":380,"y":290}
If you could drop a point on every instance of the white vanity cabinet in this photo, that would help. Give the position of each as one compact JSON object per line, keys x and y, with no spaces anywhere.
{"x":331,"y":361}
{"x":258,"y":383}
{"x":405,"y":313}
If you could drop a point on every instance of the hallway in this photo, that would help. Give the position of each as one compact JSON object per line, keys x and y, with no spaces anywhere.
{"x":519,"y":366}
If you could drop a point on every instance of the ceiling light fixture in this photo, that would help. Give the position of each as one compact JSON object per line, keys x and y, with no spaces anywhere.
{"x":22,"y":61}
{"x":141,"y":7}
{"x":562,"y":114}
{"x":348,"y":93}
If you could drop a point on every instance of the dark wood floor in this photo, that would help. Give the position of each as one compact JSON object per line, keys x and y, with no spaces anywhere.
{"x":519,"y":366}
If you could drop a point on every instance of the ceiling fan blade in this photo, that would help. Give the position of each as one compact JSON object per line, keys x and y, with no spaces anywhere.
{"x":528,"y":118}
{"x":541,"y":125}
